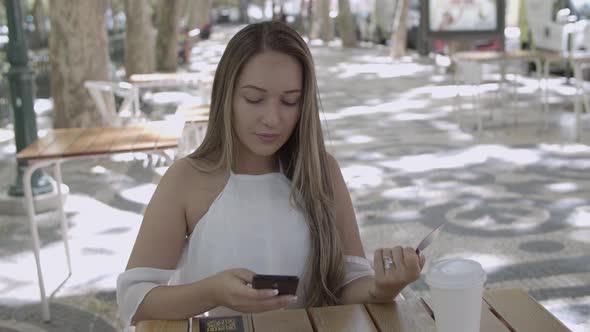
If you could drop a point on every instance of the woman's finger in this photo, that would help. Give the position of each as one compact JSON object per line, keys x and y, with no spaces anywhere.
{"x":422,"y":261}
{"x":260,"y":294}
{"x":389,"y":264}
{"x":277,"y":302}
{"x":411,"y":259}
{"x":378,"y":263}
{"x":245,"y":275}
{"x":398,"y":257}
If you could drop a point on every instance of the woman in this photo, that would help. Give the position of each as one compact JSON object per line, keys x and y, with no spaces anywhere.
{"x":260,"y":195}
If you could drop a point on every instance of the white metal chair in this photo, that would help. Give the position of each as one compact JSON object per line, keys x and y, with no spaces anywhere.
{"x":582,"y":100}
{"x":469,"y":70}
{"x":195,"y":119}
{"x":103,"y":93}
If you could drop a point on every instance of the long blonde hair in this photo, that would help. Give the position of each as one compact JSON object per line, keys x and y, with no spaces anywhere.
{"x":303,"y":157}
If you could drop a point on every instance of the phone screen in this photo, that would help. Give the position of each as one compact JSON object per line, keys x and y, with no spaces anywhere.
{"x":287,"y":285}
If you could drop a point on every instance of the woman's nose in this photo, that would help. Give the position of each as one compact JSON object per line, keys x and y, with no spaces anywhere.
{"x":271,"y":116}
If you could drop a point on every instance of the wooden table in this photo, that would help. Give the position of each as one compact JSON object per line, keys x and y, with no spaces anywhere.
{"x":490,"y":57}
{"x":203,"y":81}
{"x":193,"y":113}
{"x":165,"y":79}
{"x":196,"y":120}
{"x":577,"y":60}
{"x":65,"y":144}
{"x":502,"y":310}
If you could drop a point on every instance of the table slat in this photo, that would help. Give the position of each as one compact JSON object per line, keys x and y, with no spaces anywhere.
{"x":169,"y":134}
{"x":193,"y":113}
{"x":484,"y":56}
{"x":488,"y":321}
{"x":522,"y":55}
{"x":557,"y":56}
{"x":166,"y":143}
{"x":515,"y":308}
{"x":64,"y":139}
{"x":521,"y":312}
{"x":126,"y":140}
{"x":74,"y":142}
{"x":491,"y":56}
{"x":32,"y":151}
{"x":347,"y":318}
{"x":103,"y":143}
{"x":293,"y":320}
{"x":165,"y":77}
{"x":146,"y":140}
{"x":401,"y":316}
{"x":162,"y":325}
{"x":81,"y":144}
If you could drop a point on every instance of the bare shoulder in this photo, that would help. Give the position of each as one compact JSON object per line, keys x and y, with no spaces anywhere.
{"x":189,"y":186}
{"x":190,"y":174}
{"x":199,"y":187}
{"x":333,"y":166}
{"x":182,"y":197}
{"x":345,"y":218}
{"x":336,"y":177}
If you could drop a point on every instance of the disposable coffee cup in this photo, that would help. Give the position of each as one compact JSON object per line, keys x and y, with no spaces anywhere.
{"x":456,"y":289}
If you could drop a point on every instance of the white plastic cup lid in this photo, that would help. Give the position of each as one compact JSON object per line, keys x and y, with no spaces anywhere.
{"x":456,"y":273}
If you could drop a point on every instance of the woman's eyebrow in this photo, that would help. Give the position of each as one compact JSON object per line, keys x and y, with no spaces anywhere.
{"x":263,"y":90}
{"x":252,"y":87}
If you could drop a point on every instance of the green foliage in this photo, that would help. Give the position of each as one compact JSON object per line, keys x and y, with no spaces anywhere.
{"x":117,"y":6}
{"x":2,"y":14}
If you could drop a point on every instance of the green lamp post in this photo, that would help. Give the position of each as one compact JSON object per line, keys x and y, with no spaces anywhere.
{"x":20,"y":79}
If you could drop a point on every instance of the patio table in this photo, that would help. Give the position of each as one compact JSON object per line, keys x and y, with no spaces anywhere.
{"x":577,"y":60}
{"x":165,"y":79}
{"x":502,"y":310}
{"x":60,"y":145}
{"x":473,"y":74}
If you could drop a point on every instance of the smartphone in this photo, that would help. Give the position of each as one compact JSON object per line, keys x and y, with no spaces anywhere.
{"x":287,"y":285}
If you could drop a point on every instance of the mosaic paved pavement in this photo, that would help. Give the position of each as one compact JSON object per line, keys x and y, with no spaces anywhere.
{"x":516,"y":197}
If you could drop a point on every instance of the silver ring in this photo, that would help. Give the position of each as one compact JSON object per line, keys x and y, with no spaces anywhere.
{"x":387,"y":262}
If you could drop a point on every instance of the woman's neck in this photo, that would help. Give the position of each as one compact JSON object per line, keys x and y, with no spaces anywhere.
{"x":256,"y":165}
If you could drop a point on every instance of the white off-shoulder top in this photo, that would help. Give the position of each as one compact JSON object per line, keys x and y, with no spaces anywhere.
{"x":251,"y":224}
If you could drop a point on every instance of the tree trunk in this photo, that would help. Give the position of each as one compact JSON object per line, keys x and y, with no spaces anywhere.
{"x":299,"y":23}
{"x":311,"y":13}
{"x":326,"y":33}
{"x":243,"y":7}
{"x":140,"y":37}
{"x":199,"y":14}
{"x":378,"y":10}
{"x":346,"y":24}
{"x":273,"y":6}
{"x":400,"y":30}
{"x":78,"y":52}
{"x":185,"y":12}
{"x":167,"y":40}
{"x":39,"y":20}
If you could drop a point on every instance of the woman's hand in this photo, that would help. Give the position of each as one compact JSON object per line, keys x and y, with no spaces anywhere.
{"x":395,"y":268}
{"x":231,"y":289}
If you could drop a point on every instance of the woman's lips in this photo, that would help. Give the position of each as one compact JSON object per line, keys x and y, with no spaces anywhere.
{"x":268,"y":138}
